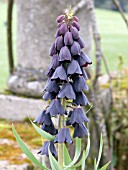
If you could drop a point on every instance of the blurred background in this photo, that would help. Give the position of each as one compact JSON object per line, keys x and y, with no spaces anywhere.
{"x":27,"y":30}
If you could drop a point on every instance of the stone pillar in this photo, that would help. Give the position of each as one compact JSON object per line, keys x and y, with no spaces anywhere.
{"x":35,"y":35}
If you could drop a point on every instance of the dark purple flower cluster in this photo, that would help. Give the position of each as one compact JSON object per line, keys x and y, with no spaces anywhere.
{"x":66,"y":79}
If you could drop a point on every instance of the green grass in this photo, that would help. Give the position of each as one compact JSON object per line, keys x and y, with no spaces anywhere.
{"x":114,"y":39}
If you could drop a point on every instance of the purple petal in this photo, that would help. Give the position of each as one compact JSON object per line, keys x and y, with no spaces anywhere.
{"x":75,"y":48}
{"x":50,"y":129}
{"x":86,"y":58}
{"x":59,"y":24}
{"x":81,"y":42}
{"x":84,"y":73}
{"x":49,"y":96}
{"x":78,"y":116}
{"x":44,"y":150}
{"x":80,"y":131}
{"x":52,"y":86}
{"x":76,"y":19}
{"x":81,"y":99}
{"x":57,"y":33}
{"x":63,"y":28}
{"x":52,"y":148}
{"x":63,"y":136}
{"x":67,"y":91}
{"x":79,"y":84}
{"x":43,"y":118}
{"x":74,"y":68}
{"x":68,"y":40}
{"x":55,"y":62}
{"x":64,"y":54}
{"x":59,"y":43}
{"x":60,"y":18}
{"x":55,"y":108}
{"x":74,"y":32}
{"x":75,"y":24}
{"x":49,"y":72}
{"x":52,"y":50}
{"x":60,"y":74}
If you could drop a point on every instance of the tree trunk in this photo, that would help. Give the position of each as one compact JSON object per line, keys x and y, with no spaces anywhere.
{"x":9,"y":36}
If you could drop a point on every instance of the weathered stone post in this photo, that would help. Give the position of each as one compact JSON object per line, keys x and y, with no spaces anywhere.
{"x":36,"y":27}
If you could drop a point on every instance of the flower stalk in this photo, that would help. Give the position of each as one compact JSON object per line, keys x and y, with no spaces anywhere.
{"x":61,"y":145}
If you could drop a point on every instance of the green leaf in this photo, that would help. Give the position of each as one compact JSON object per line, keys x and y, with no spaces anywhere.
{"x":77,"y":153}
{"x":100,"y":151}
{"x":25,"y":149}
{"x":83,"y":161}
{"x":43,"y":160}
{"x":43,"y":133}
{"x":95,"y":168}
{"x":85,"y":154}
{"x":67,"y":159}
{"x":53,"y":162}
{"x":87,"y":148}
{"x":105,"y":166}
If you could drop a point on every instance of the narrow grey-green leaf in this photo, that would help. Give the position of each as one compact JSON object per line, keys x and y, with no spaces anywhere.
{"x":77,"y":153}
{"x":43,"y":160}
{"x":100,"y":151}
{"x":83,"y":161}
{"x":67,"y":158}
{"x":87,"y":148}
{"x":85,"y":153}
{"x":43,"y":133}
{"x":95,"y":168}
{"x":105,"y":166}
{"x":25,"y":149}
{"x":53,"y":162}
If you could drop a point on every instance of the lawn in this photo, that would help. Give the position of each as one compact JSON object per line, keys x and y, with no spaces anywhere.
{"x":114,"y":39}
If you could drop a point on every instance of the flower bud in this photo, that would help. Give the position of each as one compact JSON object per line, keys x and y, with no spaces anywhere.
{"x":74,"y":32}
{"x":57,"y":33}
{"x":75,"y":24}
{"x":76,"y":19}
{"x":63,"y":28}
{"x":59,"y":24}
{"x":60,"y":18}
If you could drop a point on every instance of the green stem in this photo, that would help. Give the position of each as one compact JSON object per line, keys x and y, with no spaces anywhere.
{"x":61,"y":145}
